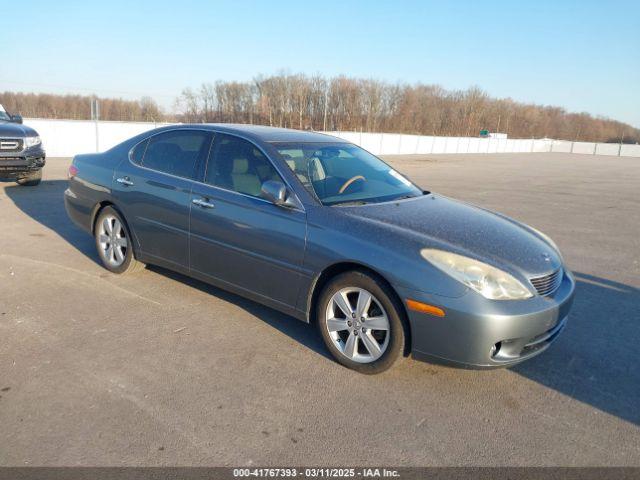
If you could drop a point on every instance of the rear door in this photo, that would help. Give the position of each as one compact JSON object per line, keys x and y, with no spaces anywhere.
{"x":153,"y":189}
{"x":237,"y":237}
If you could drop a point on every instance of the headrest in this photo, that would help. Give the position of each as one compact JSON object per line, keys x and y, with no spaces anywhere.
{"x":317,"y":172}
{"x":240,"y":165}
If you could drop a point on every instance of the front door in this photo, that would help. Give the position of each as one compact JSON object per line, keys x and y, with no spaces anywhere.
{"x":237,"y":237}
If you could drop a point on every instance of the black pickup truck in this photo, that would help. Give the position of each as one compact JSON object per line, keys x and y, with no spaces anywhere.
{"x":21,"y":154}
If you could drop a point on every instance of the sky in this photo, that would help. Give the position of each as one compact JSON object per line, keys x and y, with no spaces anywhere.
{"x":580,"y":55}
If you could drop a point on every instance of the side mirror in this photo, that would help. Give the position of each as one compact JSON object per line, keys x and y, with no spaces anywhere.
{"x":16,"y":118}
{"x":275,"y":192}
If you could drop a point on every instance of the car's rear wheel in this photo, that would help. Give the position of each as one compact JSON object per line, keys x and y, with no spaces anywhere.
{"x":361,"y":323}
{"x":113,"y":242}
{"x":31,"y":180}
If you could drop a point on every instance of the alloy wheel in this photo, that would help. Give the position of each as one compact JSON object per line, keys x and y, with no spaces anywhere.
{"x":113,"y":242}
{"x":357,"y":324}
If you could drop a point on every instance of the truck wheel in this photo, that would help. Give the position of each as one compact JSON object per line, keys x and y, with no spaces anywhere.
{"x":114,"y":243}
{"x":31,"y":180}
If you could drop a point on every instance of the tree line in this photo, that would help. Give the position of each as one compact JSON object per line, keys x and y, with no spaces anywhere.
{"x":78,"y":107}
{"x":340,"y":103}
{"x":352,"y":104}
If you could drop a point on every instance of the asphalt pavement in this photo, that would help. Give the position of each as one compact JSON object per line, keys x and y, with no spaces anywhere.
{"x":158,"y":369}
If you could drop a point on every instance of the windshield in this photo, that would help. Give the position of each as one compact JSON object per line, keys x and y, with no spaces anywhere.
{"x":343,"y":173}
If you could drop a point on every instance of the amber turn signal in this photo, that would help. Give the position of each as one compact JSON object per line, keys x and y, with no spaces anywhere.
{"x":425,"y":308}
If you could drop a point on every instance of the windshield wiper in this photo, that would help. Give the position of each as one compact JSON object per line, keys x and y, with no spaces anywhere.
{"x":404,"y":197}
{"x":347,"y":203}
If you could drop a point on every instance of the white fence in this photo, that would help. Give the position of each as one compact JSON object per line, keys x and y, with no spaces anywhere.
{"x":401,"y":144}
{"x":65,"y":138}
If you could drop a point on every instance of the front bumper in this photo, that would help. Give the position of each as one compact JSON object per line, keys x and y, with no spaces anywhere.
{"x":14,"y":165}
{"x":480,"y":333}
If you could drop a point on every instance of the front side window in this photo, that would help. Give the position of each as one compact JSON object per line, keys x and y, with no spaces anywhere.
{"x":238,"y":165}
{"x":342,"y":173}
{"x":176,"y":152}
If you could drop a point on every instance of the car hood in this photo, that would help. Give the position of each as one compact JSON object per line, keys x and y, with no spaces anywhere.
{"x":9,"y":129}
{"x":439,"y":222}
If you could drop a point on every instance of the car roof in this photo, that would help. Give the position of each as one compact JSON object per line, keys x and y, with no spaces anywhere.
{"x":263,"y":133}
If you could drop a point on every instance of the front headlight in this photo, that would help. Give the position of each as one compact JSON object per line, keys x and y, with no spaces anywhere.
{"x":32,"y":141}
{"x":488,"y":281}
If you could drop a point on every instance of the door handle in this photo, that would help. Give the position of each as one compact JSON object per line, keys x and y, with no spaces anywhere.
{"x":124,"y":181}
{"x":201,"y":202}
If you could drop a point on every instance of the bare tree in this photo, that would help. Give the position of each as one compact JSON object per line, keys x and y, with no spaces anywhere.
{"x":340,"y":103}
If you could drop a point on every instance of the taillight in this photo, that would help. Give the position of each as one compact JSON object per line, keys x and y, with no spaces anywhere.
{"x":73,"y":171}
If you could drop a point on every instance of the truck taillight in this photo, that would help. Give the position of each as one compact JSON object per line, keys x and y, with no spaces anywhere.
{"x":73,"y":171}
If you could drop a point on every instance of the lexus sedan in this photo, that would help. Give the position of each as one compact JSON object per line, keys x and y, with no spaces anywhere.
{"x":322,"y":230}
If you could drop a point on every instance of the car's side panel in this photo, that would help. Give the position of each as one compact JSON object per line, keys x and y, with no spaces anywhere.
{"x":243,"y":292}
{"x":156,"y":207}
{"x":90,"y":187}
{"x":79,"y":209}
{"x":248,"y":242}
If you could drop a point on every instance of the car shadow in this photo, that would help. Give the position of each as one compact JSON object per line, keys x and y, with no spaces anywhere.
{"x":45,"y":204}
{"x":595,"y":361}
{"x":299,"y":331}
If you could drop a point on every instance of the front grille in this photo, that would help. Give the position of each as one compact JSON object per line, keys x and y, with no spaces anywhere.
{"x":11,"y":145}
{"x":547,"y":284}
{"x":11,"y":168}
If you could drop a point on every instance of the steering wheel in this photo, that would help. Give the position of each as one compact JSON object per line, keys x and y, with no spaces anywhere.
{"x":349,"y":182}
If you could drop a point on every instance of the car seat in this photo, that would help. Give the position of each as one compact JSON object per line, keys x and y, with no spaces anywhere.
{"x":244,"y":181}
{"x":294,"y":168}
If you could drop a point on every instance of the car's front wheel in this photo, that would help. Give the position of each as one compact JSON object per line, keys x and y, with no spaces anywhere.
{"x":361,"y":323}
{"x":113,"y":242}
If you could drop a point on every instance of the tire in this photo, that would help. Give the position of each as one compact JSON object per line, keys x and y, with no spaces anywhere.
{"x":111,"y":231}
{"x":32,"y":179}
{"x":350,"y":344}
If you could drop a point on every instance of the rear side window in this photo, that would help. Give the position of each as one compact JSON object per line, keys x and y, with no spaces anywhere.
{"x":138,"y":152}
{"x":177,"y":152}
